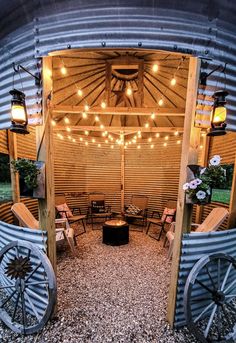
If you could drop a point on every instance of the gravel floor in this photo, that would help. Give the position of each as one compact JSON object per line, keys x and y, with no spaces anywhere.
{"x":110,"y":294}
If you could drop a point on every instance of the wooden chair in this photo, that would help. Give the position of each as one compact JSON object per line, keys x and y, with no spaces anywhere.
{"x":97,"y":207}
{"x":211,"y":223}
{"x":141,"y":202}
{"x":164,"y":220}
{"x":63,"y":210}
{"x":26,"y":219}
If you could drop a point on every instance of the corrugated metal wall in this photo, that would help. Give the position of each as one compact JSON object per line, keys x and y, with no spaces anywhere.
{"x":193,"y":28}
{"x":194,"y":246}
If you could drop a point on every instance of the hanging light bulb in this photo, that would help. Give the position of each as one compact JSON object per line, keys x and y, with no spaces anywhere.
{"x":61,"y":137}
{"x":179,"y":141}
{"x":138,"y":147}
{"x":139,"y":132}
{"x":79,"y":92}
{"x":146,"y":125}
{"x":86,"y":143}
{"x":153,"y":115}
{"x":176,"y":133}
{"x":93,"y":140}
{"x":166,"y":138}
{"x":66,"y":120}
{"x":173,"y":81}
{"x":69,"y":137}
{"x":152,"y":146}
{"x":68,"y":129}
{"x":150,"y":139}
{"x":53,"y":122}
{"x":161,"y":102}
{"x":103,"y":134}
{"x":81,"y":139}
{"x":101,"y":126}
{"x":111,"y":138}
{"x":73,"y":140}
{"x":86,"y":107}
{"x":157,"y":134}
{"x":103,"y":104}
{"x":86,"y":132}
{"x":165,"y":144}
{"x":106,"y":141}
{"x":201,"y":147}
{"x":155,"y":68}
{"x":106,"y":133}
{"x":84,"y":115}
{"x":112,"y":146}
{"x":135,"y":137}
{"x":99,"y":145}
{"x":97,"y":118}
{"x":125,"y":147}
{"x":63,"y":70}
{"x":129,"y":91}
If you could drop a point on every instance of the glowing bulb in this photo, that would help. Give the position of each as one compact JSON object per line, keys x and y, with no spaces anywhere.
{"x":178,"y":142}
{"x":66,"y":120}
{"x":81,"y":139}
{"x":53,"y":122}
{"x":152,"y":146}
{"x":103,"y":134}
{"x":73,"y":140}
{"x":173,"y":82}
{"x":84,"y":115}
{"x":203,"y":134}
{"x":69,"y":137}
{"x":165,"y":144}
{"x":138,"y":147}
{"x":139,"y":132}
{"x":135,"y":137}
{"x":201,"y":146}
{"x":58,"y":134}
{"x":86,"y":132}
{"x":103,"y":104}
{"x":101,"y":126}
{"x":155,"y":68}
{"x":111,"y":139}
{"x":61,"y":137}
{"x":106,"y":141}
{"x":160,"y":102}
{"x":166,"y":138}
{"x":80,"y":92}
{"x":68,"y":129}
{"x":86,"y":143}
{"x":146,"y":125}
{"x":93,"y":140}
{"x":96,"y":118}
{"x":106,"y":133}
{"x":158,"y":135}
{"x":99,"y":145}
{"x":86,"y":107}
{"x":63,"y":70}
{"x":150,"y":139}
{"x":129,"y":91}
{"x":112,"y":146}
{"x":176,"y":133}
{"x":153,"y":116}
{"x":125,"y":147}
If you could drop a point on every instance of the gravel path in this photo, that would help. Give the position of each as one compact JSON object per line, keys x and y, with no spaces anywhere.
{"x":110,"y":294}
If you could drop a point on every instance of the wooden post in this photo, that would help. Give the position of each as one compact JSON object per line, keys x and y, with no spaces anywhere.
{"x":44,"y":137}
{"x":191,"y":139}
{"x":232,"y":205}
{"x":12,"y":148}
{"x":122,"y":150}
{"x":203,"y":162}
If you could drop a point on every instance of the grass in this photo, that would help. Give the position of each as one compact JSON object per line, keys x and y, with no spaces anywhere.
{"x":5,"y":191}
{"x":221,"y":195}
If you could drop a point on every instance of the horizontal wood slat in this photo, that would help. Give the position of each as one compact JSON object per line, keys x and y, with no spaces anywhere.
{"x":3,"y":142}
{"x":26,"y":145}
{"x":6,"y":214}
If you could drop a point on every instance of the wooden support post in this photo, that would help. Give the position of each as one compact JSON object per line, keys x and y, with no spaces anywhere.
{"x":203,"y":162}
{"x":232,"y":205}
{"x":191,"y":139}
{"x":12,"y":147}
{"x":122,"y":150}
{"x":44,"y":136}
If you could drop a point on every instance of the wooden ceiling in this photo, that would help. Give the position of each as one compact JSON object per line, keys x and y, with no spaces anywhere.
{"x":106,"y":76}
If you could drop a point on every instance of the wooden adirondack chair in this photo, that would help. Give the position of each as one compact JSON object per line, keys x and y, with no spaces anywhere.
{"x":26,"y":219}
{"x":211,"y":223}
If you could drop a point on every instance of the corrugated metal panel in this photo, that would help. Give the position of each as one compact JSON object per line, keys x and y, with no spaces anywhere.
{"x":3,"y":142}
{"x":153,"y":172}
{"x":84,"y":169}
{"x":194,"y":246}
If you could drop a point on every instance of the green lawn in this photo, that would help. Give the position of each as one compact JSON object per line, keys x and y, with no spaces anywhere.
{"x":5,"y":191}
{"x":221,"y":195}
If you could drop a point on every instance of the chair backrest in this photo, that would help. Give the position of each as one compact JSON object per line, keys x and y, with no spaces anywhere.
{"x":214,"y":219}
{"x":24,"y":216}
{"x":96,"y":197}
{"x":60,"y":199}
{"x":171,"y":204}
{"x":141,"y":201}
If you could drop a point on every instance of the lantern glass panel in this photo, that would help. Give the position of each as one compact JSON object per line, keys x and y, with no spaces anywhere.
{"x":219,"y":115}
{"x":18,"y":114}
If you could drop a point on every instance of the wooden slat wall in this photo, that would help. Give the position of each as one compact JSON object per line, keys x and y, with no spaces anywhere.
{"x":80,"y":168}
{"x":3,"y":142}
{"x":6,"y":214}
{"x":26,"y":145}
{"x":225,"y":146}
{"x":153,"y":172}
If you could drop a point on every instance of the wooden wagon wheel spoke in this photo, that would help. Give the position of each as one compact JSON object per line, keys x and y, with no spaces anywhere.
{"x":211,"y":313}
{"x":30,"y":298}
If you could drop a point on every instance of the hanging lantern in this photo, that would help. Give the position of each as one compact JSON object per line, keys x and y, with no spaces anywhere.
{"x":19,"y":118}
{"x":218,"y":114}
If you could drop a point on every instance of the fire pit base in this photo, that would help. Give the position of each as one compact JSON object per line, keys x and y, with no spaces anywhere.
{"x":115,"y":232}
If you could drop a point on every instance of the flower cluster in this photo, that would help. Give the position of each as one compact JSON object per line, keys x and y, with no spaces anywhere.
{"x":199,"y":189}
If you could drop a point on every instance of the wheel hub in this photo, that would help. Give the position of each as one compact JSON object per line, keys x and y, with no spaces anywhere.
{"x":18,"y":267}
{"x":219,"y":297}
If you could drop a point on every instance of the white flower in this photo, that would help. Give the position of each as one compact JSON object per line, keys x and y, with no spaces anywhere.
{"x":215,"y":160}
{"x":208,"y":191}
{"x":193,"y":184}
{"x":201,"y":195}
{"x":198,"y":181}
{"x":202,"y":171}
{"x":186,"y":186}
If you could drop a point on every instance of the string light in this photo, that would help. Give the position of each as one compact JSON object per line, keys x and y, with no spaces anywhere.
{"x":152,"y":146}
{"x":79,"y":92}
{"x":179,"y":141}
{"x":201,"y":146}
{"x":166,"y":138}
{"x":103,"y":104}
{"x":103,"y":134}
{"x":146,"y":125}
{"x":129,"y":91}
{"x":63,"y":70}
{"x":99,"y":145}
{"x":53,"y":122}
{"x":138,"y":147}
{"x":165,"y":144}
{"x":66,"y":120}
{"x":125,"y":147}
{"x":81,"y":139}
{"x":69,"y":137}
{"x":84,"y":115}
{"x":160,"y":102}
{"x":97,"y":118}
{"x":61,"y":137}
{"x":139,"y":132}
{"x":106,"y":133}
{"x":86,"y":107}
{"x":153,"y":116}
{"x":135,"y":137}
{"x":111,"y":138}
{"x":173,"y":81}
{"x":176,"y":133}
{"x":68,"y":129}
{"x":155,"y":68}
{"x":101,"y":126}
{"x":93,"y":140}
{"x":86,"y":132}
{"x":86,"y":143}
{"x":106,"y":141}
{"x":73,"y":140}
{"x":112,"y":146}
{"x":157,"y":134}
{"x":150,"y":139}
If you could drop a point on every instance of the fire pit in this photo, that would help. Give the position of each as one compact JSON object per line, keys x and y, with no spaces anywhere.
{"x":115,"y":232}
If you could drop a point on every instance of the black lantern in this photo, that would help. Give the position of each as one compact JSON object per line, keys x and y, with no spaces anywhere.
{"x":19,"y":119}
{"x":218,"y":114}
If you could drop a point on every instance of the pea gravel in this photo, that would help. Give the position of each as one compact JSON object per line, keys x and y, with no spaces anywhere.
{"x":110,"y":294}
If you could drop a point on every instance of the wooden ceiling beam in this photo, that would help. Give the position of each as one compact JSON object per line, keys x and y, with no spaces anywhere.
{"x":119,"y":128}
{"x":170,"y":112}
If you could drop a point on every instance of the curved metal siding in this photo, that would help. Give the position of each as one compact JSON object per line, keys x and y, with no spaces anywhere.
{"x":191,"y":28}
{"x":194,"y":246}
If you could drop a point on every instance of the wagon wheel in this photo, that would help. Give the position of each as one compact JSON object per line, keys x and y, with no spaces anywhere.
{"x":27,"y":287}
{"x":210,"y":299}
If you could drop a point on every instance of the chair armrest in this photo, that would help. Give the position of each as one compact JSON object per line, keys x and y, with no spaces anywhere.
{"x":73,"y":209}
{"x":194,"y":226}
{"x":155,"y":212}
